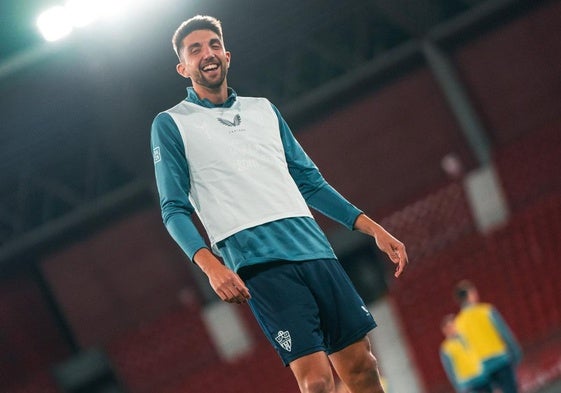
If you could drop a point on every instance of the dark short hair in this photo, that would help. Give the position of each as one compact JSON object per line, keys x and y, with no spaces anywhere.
{"x":462,"y":289}
{"x":199,"y":22}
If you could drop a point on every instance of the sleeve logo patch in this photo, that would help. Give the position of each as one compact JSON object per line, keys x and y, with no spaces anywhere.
{"x":157,"y":155}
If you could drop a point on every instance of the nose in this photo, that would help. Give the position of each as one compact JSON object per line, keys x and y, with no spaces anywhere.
{"x":207,"y":52}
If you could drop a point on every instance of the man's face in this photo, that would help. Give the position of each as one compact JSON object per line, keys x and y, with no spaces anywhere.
{"x":204,"y":59}
{"x":473,"y":296}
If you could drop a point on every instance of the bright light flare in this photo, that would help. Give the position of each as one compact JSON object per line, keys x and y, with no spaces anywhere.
{"x":59,"y":21}
{"x":82,"y":12}
{"x":113,"y":8}
{"x":55,"y":23}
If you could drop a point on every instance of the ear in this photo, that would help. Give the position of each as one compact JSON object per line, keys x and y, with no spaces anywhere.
{"x":182,"y":70}
{"x":228,"y":57}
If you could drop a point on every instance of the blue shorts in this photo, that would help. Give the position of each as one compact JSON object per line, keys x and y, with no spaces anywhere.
{"x":307,"y":306}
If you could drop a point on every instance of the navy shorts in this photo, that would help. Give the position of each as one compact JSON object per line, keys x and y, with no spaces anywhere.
{"x":307,"y":306}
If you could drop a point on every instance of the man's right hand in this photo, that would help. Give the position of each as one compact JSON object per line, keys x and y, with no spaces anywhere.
{"x":228,"y":285}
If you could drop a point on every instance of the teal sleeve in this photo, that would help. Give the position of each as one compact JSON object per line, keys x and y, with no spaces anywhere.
{"x":173,"y":182}
{"x":449,"y":370}
{"x":313,"y":187}
{"x":514,"y":350}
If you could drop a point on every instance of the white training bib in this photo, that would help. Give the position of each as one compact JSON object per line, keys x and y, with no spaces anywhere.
{"x":238,"y":170}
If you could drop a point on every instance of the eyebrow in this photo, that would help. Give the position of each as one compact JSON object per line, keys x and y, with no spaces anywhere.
{"x":194,"y":45}
{"x":214,"y":41}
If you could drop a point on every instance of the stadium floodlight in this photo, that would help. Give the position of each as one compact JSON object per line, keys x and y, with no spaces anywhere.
{"x":55,"y":23}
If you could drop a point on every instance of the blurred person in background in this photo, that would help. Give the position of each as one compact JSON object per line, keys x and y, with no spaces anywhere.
{"x":486,"y":333}
{"x":235,"y":162}
{"x":462,"y":366}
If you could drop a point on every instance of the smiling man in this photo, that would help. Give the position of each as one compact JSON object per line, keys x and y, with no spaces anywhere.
{"x":234,"y":161}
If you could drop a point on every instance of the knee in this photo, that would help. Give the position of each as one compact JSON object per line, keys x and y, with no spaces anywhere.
{"x":358,"y":368}
{"x":363,"y":371}
{"x":318,"y":384}
{"x":364,"y":365}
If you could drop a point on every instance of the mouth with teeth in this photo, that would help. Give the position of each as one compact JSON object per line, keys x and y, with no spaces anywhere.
{"x":210,"y":67}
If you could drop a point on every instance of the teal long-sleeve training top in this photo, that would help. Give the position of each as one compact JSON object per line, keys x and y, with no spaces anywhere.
{"x":289,"y":239}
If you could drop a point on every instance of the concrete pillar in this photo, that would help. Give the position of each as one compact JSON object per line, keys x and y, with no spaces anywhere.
{"x":458,"y":99}
{"x":392,"y":350}
{"x":486,"y":199}
{"x":227,"y":329}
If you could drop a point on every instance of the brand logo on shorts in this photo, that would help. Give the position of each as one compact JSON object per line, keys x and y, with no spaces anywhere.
{"x":365,"y":310}
{"x":283,"y":338}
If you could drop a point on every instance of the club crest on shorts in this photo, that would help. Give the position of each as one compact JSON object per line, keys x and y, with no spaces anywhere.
{"x":283,"y":338}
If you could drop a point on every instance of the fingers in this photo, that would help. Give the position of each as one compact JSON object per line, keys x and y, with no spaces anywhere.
{"x":239,"y":294}
{"x":234,"y":291}
{"x":228,"y":285}
{"x":400,"y":268}
{"x":399,"y":256}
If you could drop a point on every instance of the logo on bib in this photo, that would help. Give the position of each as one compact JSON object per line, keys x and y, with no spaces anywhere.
{"x":235,"y":122}
{"x":283,"y":338}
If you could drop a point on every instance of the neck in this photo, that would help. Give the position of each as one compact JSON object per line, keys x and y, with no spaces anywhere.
{"x":216,"y":95}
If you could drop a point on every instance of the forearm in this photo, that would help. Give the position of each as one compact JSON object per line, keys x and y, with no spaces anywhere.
{"x":329,"y":202}
{"x":206,"y":261}
{"x":368,"y":226}
{"x":183,"y":231}
{"x":173,"y":182}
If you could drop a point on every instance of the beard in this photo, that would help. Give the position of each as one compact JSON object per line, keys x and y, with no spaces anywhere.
{"x":210,"y":83}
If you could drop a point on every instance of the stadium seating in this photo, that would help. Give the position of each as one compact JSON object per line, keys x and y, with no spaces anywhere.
{"x":514,"y":268}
